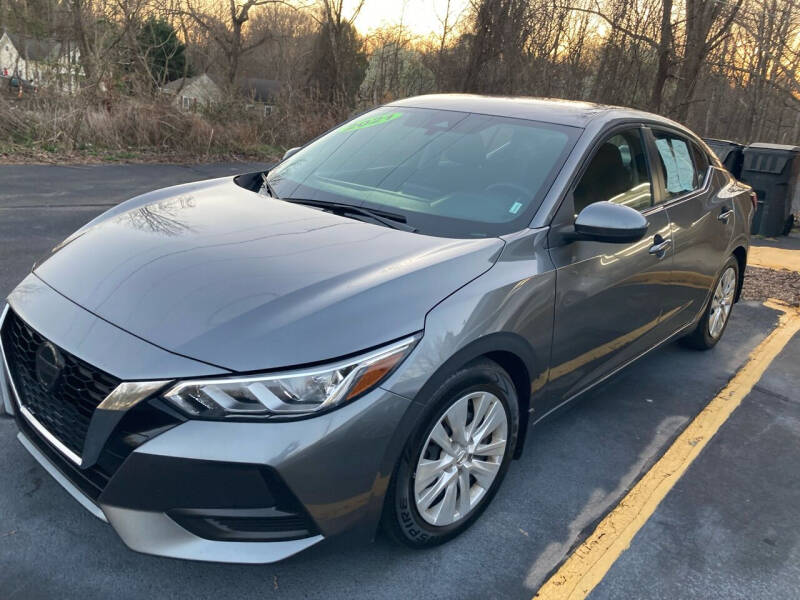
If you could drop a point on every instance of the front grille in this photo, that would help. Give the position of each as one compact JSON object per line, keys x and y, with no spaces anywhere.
{"x":91,"y":481}
{"x":140,"y":424}
{"x":66,"y":410}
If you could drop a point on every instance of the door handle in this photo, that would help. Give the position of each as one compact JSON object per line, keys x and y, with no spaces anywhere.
{"x":660,"y":249}
{"x":725,"y":215}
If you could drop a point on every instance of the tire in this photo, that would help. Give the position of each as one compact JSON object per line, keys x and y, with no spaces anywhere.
{"x":402,"y":519}
{"x":702,"y":338}
{"x":787,"y":226}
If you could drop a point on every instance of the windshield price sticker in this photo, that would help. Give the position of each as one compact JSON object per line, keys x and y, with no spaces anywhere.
{"x":371,"y":122}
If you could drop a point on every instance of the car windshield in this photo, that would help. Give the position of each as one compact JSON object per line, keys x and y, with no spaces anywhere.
{"x":448,"y":173}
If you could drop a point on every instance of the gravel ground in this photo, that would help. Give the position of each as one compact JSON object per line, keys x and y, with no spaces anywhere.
{"x":761,"y":284}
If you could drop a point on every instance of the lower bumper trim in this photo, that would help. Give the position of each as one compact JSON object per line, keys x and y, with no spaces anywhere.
{"x":155,"y":533}
{"x":56,"y":474}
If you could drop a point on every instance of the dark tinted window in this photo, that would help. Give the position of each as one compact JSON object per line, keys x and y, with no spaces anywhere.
{"x":617,"y":173}
{"x":700,"y":162}
{"x":675,"y":153}
{"x":449,"y":173}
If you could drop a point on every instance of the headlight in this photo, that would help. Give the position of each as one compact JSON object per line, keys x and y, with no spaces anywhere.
{"x":290,"y":393}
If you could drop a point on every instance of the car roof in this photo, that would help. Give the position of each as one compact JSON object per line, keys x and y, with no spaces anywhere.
{"x":549,"y":110}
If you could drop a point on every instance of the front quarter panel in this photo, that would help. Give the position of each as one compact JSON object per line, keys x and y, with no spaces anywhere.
{"x":507,"y":309}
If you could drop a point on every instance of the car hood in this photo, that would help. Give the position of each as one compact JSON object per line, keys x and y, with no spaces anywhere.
{"x":220,"y":274}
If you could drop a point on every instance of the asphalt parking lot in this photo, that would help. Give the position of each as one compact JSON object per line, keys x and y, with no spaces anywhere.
{"x":730,"y":528}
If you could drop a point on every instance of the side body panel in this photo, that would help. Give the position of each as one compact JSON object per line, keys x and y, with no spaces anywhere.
{"x":570,"y":376}
{"x":701,"y":245}
{"x":608,"y":306}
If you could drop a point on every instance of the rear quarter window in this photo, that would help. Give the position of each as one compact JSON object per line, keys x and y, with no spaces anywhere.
{"x":701,"y":162}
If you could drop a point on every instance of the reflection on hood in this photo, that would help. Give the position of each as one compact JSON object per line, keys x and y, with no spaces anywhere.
{"x":246,"y":282}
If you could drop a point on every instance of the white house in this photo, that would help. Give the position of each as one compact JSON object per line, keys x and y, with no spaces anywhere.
{"x":193,"y":92}
{"x":41,"y":61}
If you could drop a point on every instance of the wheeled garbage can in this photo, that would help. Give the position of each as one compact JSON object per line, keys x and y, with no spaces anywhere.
{"x":729,"y":153}
{"x":773,"y":171}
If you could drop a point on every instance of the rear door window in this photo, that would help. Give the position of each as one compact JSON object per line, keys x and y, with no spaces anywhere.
{"x":677,"y":166}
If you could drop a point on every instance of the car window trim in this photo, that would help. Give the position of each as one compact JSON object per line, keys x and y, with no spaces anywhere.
{"x":589,"y":155}
{"x":688,"y":195}
{"x":698,"y":148}
{"x":702,"y":189}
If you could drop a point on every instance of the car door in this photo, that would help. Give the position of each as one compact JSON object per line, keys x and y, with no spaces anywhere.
{"x":608,"y":295}
{"x":702,"y":222}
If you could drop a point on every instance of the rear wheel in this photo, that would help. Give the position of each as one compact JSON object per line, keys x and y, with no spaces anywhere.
{"x":787,"y":226}
{"x":454,"y":463}
{"x":715,"y":318}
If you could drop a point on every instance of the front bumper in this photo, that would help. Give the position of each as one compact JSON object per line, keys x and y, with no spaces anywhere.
{"x":155,"y":532}
{"x":221,"y":491}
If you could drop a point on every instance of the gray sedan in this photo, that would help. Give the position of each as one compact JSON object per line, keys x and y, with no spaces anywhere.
{"x":237,"y":369}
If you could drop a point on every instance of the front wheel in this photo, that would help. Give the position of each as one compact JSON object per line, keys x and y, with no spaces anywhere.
{"x":715,"y":318}
{"x":453,"y":464}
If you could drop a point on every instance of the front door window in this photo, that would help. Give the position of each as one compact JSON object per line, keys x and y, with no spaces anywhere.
{"x":617,"y":173}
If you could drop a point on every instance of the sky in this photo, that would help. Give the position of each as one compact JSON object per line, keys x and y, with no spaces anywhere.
{"x":422,"y":17}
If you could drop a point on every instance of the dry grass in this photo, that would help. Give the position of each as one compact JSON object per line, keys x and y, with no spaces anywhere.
{"x":47,"y":128}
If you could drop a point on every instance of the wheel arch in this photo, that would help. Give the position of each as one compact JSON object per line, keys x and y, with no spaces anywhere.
{"x":740,"y":253}
{"x":514,"y":354}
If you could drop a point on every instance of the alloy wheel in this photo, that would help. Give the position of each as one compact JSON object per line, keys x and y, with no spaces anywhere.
{"x":721,"y":302}
{"x":461,"y":458}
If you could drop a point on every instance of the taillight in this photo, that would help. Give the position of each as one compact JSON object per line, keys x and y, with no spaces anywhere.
{"x":754,"y":200}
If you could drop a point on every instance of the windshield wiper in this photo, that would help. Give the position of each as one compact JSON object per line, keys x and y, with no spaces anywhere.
{"x":389,"y":219}
{"x":267,"y":185}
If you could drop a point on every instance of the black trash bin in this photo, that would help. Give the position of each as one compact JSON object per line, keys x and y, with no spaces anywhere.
{"x":729,"y":153}
{"x":772,"y":170}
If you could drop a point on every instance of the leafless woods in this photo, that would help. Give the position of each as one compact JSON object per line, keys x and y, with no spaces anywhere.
{"x":79,"y":73}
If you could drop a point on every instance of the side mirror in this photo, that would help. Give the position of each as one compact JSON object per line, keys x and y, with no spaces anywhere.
{"x":290,"y":151}
{"x":609,"y":222}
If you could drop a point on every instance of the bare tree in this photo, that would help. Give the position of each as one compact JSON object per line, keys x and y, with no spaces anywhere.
{"x":98,"y":27}
{"x":707,"y":24}
{"x":226,"y":26}
{"x":665,"y":56}
{"x":500,"y":34}
{"x":727,"y":68}
{"x":336,"y":31}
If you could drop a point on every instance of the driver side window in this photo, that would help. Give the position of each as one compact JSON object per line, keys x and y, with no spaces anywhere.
{"x":617,"y":173}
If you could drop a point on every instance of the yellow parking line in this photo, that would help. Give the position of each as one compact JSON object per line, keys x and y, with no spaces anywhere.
{"x":589,"y":562}
{"x":774,"y":258}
